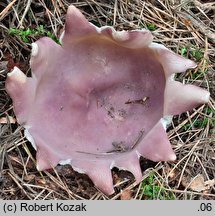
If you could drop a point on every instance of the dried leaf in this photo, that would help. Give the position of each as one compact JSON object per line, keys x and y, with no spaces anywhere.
{"x":29,"y":177}
{"x":40,"y":181}
{"x":210,"y":183}
{"x":126,"y":194}
{"x":198,"y":183}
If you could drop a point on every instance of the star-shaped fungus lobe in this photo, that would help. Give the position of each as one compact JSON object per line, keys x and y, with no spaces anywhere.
{"x":101,"y":99}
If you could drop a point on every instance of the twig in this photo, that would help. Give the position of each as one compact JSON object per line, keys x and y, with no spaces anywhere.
{"x":25,"y":12}
{"x":2,"y":14}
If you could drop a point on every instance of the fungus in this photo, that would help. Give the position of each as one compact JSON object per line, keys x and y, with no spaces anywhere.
{"x":101,"y":99}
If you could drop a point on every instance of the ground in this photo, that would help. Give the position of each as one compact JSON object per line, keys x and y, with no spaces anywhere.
{"x":186,"y":27}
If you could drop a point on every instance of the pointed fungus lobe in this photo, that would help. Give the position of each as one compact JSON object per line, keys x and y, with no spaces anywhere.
{"x":100,"y":99}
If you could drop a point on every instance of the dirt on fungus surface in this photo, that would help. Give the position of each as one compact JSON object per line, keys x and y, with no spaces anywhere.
{"x":186,"y":27}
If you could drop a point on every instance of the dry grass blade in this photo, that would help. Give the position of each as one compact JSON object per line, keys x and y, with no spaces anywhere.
{"x":4,"y":12}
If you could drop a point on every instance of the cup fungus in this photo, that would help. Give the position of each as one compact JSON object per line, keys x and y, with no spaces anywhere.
{"x":101,"y":99}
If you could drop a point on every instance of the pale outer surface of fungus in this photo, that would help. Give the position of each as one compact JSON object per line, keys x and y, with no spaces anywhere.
{"x":101,"y":99}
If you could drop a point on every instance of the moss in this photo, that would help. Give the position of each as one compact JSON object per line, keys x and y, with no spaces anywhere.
{"x":26,"y":34}
{"x":150,"y":190}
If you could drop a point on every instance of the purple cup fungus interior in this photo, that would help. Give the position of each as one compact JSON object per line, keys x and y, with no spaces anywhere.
{"x":101,"y":99}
